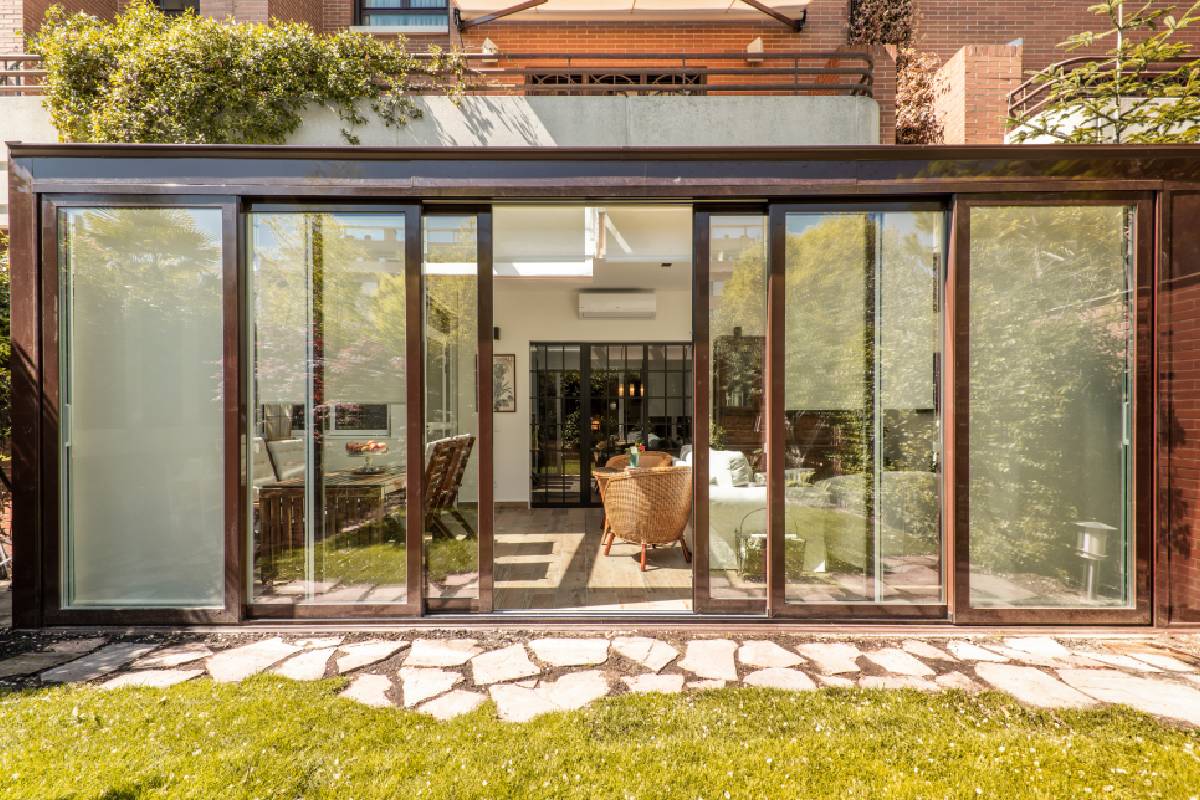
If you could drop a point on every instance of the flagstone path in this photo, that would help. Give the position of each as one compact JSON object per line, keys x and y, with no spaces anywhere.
{"x":527,"y":676}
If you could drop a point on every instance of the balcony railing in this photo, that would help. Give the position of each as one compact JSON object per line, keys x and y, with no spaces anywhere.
{"x":1032,"y":96}
{"x":21,"y":75}
{"x":742,"y":72}
{"x":846,"y":73}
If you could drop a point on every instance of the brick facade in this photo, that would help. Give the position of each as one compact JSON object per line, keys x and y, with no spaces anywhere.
{"x":1179,"y":409}
{"x":974,"y":85}
{"x":944,"y":26}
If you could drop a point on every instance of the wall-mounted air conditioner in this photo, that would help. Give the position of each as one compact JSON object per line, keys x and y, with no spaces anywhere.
{"x":613,"y":304}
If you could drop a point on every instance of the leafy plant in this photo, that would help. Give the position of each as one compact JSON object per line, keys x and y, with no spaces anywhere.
{"x":146,"y":77}
{"x":890,"y":22}
{"x":1146,"y":90}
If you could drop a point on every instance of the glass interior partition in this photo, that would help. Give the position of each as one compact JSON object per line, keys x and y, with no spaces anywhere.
{"x":737,"y":325}
{"x":326,"y":453}
{"x":862,"y":427}
{"x":142,"y":404}
{"x":1050,"y":327}
{"x":451,"y":302}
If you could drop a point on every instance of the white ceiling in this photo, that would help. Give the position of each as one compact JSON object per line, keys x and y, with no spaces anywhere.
{"x":624,"y":9}
{"x":602,"y":246}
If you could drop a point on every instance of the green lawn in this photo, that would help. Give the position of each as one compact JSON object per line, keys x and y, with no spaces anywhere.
{"x":269,"y":737}
{"x":375,"y":555}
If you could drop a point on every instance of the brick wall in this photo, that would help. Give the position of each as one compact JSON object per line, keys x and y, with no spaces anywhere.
{"x":974,"y":85}
{"x":944,"y":26}
{"x":11,"y":23}
{"x":32,"y":11}
{"x":1179,"y":406}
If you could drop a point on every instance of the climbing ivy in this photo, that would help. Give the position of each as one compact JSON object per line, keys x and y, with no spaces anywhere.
{"x":146,"y":77}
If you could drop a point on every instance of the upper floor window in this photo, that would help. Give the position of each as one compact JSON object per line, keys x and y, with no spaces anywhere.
{"x":173,"y":7}
{"x":415,"y":16}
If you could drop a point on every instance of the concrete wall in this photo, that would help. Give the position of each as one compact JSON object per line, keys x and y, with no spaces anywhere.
{"x":617,"y":122}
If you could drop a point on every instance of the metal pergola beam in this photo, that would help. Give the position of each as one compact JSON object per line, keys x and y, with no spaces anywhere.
{"x":463,"y":24}
{"x":795,"y":23}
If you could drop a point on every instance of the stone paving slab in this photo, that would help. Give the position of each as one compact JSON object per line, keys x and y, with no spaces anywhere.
{"x":832,"y":658}
{"x":668,"y":684}
{"x":370,"y":690}
{"x":505,"y":664}
{"x":441,"y":653}
{"x":900,"y":662}
{"x":421,"y":683}
{"x":357,"y":656}
{"x":653,"y":654}
{"x":780,"y":678}
{"x":969,"y":651}
{"x":152,"y":678}
{"x":711,"y":659}
{"x":98,"y":664}
{"x":1145,"y":694}
{"x":570,"y":652}
{"x":307,"y":666}
{"x":453,"y":704}
{"x":173,"y":657}
{"x":29,"y":663}
{"x":767,"y":654}
{"x":923,"y":649}
{"x":239,"y":663}
{"x":1032,"y":686}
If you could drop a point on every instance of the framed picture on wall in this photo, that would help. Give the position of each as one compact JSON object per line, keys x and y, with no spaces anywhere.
{"x":504,"y":382}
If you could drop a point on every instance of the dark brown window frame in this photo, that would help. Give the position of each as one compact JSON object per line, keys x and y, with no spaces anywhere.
{"x":232,"y":177}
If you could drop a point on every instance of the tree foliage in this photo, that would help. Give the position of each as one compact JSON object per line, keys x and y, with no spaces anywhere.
{"x":1145,"y":90}
{"x":146,"y":77}
{"x":890,"y":22}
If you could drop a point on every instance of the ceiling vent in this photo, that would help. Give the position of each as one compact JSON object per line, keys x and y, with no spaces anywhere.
{"x":627,"y":304}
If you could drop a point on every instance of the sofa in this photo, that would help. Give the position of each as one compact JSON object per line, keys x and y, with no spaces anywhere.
{"x":828,"y":515}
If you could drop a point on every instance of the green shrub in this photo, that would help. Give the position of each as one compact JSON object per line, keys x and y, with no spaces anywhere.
{"x":146,"y":77}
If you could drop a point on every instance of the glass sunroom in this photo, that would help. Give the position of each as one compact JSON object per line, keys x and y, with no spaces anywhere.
{"x":878,"y":384}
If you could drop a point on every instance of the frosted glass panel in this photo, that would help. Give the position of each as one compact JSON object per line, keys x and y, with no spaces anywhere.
{"x":142,"y":396}
{"x":1050,"y":324}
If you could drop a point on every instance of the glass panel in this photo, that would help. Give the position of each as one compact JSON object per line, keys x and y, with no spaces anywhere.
{"x":327,"y":455}
{"x":862,"y":435}
{"x":451,"y":415}
{"x":1050,"y":365}
{"x":737,"y":492}
{"x":143,"y":460}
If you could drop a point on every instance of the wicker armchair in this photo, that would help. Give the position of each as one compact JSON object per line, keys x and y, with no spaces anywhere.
{"x":649,"y":507}
{"x":651,"y":458}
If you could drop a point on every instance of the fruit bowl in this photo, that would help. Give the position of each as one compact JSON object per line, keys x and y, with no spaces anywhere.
{"x":367,"y":450}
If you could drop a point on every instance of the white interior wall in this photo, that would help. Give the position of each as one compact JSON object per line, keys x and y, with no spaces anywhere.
{"x":531,"y":310}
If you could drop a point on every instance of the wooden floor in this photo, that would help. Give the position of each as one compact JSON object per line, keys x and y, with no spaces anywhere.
{"x":549,"y":558}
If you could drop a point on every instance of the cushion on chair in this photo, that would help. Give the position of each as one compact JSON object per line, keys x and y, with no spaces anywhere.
{"x":288,"y":457}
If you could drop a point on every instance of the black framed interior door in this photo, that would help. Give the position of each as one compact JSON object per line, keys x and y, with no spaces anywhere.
{"x":590,"y":401}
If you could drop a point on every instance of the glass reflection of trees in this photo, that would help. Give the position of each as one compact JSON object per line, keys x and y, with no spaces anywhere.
{"x":1050,"y":326}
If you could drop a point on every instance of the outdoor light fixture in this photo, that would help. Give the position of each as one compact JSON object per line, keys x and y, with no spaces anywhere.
{"x":1091,"y":542}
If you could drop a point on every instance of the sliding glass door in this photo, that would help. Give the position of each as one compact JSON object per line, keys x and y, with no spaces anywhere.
{"x":856,"y":421}
{"x":1049,"y":356}
{"x":328,"y":448}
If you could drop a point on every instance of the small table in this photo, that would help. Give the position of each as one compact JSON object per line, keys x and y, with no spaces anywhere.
{"x":349,"y":498}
